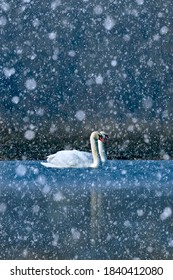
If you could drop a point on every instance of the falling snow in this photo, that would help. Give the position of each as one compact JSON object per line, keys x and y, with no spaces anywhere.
{"x":29,"y":134}
{"x":98,"y":10}
{"x":80,"y":115}
{"x":21,"y":170}
{"x":3,"y":208}
{"x":15,"y":99}
{"x":71,"y":53}
{"x":114,"y":63}
{"x":167,"y":212}
{"x":8,"y":72}
{"x":58,"y":196}
{"x":52,"y":35}
{"x":140,"y":2}
{"x":68,"y":68}
{"x":80,"y":59}
{"x":164,"y":30}
{"x":99,"y":79}
{"x":109,"y":23}
{"x":31,"y":84}
{"x":3,"y":21}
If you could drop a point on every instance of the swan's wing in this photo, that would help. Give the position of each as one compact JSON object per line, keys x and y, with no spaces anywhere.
{"x":72,"y":158}
{"x":51,"y":156}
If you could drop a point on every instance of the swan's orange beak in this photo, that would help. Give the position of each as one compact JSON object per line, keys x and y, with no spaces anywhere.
{"x":103,"y":139}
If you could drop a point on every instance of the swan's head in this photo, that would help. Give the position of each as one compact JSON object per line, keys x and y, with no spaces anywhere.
{"x":103,"y":136}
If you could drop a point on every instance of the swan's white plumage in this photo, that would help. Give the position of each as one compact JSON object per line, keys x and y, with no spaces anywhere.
{"x":69,"y":159}
{"x":80,"y":159}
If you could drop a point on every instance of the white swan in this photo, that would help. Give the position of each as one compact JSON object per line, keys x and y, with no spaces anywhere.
{"x":79,"y":159}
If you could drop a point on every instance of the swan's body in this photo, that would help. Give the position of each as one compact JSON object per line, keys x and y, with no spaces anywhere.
{"x":69,"y":159}
{"x":79,"y":159}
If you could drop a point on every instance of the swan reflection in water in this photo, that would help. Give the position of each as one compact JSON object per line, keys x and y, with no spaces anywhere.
{"x":80,"y":159}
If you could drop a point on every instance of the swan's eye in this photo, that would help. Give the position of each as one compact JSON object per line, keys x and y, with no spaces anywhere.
{"x":100,"y":137}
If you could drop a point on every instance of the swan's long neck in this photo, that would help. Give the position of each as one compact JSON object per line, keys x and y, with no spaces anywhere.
{"x":94,"y":149}
{"x":102,"y":152}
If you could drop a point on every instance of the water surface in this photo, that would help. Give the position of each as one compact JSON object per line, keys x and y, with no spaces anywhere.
{"x":123,"y":211}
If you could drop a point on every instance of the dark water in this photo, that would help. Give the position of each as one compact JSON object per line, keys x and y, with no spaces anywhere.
{"x":123,"y":211}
